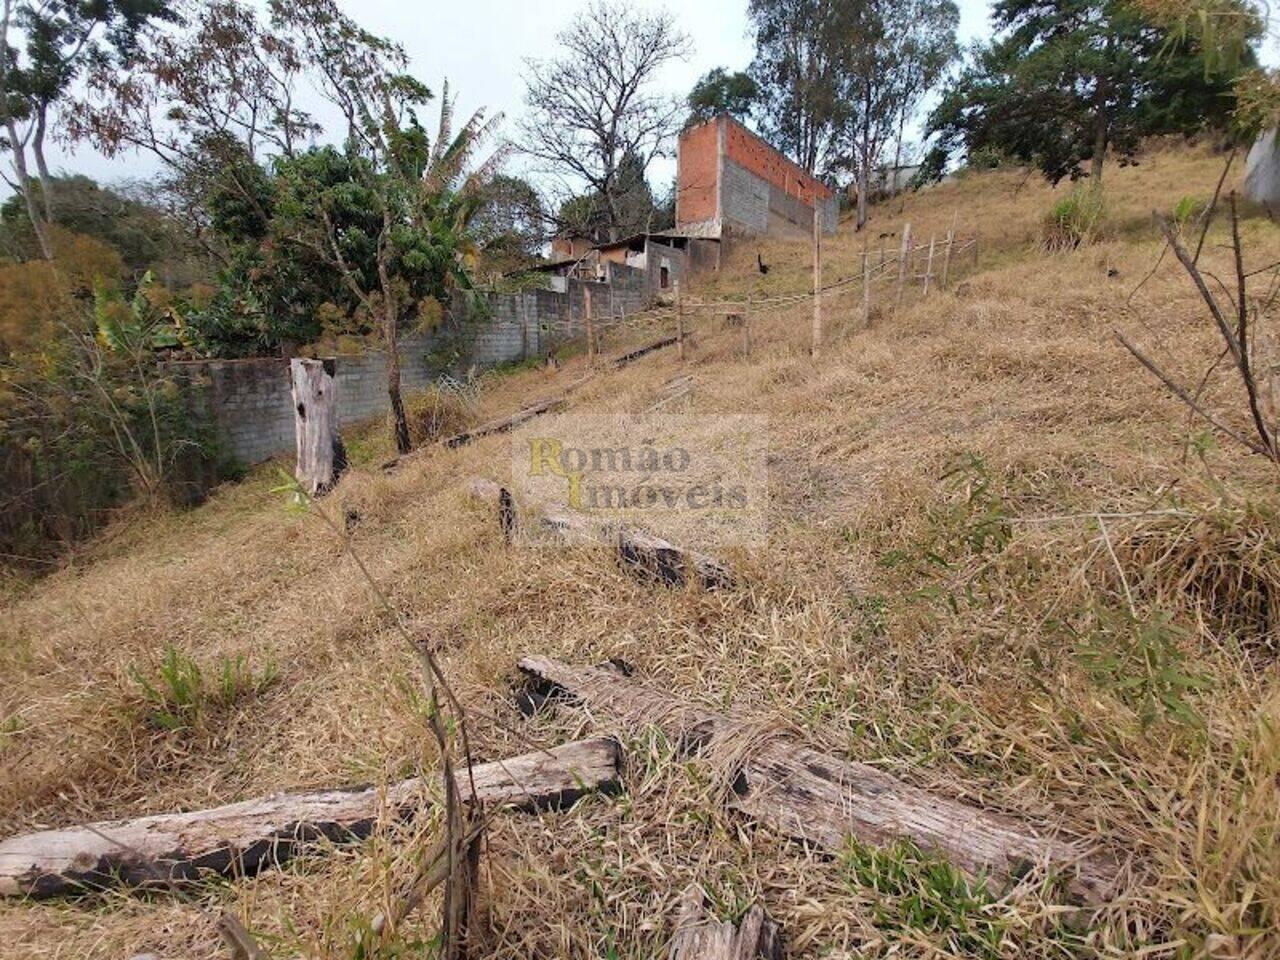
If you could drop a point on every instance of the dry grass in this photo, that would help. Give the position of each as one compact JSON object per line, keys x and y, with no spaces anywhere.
{"x":968,"y":630}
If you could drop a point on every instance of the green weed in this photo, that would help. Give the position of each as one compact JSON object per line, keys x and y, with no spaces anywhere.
{"x":961,"y":537}
{"x":1140,"y":662}
{"x":919,"y":893}
{"x":1075,"y":220}
{"x":182,"y":692}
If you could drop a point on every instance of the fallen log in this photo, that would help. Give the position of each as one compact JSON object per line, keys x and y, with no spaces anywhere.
{"x":823,"y":800}
{"x":636,"y":354}
{"x":701,"y":937}
{"x":651,"y":557}
{"x":505,"y":424}
{"x":241,"y":838}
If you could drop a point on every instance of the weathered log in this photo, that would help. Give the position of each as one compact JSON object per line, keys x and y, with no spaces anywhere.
{"x":505,"y":424}
{"x":699,"y":936}
{"x":321,"y":456}
{"x":651,"y":557}
{"x":824,"y":800}
{"x":636,"y":354}
{"x":241,"y":838}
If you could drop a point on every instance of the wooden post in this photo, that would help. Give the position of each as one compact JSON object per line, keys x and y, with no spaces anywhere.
{"x":866,"y":285}
{"x":321,"y":456}
{"x":746,"y":328}
{"x":817,"y":278}
{"x":679,"y":321}
{"x":904,"y":261}
{"x":946,"y":258}
{"x":928,"y":269}
{"x":587,"y":320}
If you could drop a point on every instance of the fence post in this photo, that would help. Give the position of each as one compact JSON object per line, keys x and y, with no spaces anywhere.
{"x":866,"y":285}
{"x":746,"y":328}
{"x":679,"y":321}
{"x":946,"y":259}
{"x":904,"y":261}
{"x":817,"y":278}
{"x":928,"y":269}
{"x":591,"y":332}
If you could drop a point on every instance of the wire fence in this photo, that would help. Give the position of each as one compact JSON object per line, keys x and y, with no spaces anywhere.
{"x":881,"y":278}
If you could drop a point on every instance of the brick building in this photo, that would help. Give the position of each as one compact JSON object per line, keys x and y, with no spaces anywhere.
{"x":731,"y":181}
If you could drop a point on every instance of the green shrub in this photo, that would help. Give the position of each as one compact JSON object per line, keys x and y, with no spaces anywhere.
{"x":182,"y":693}
{"x":1075,"y":220}
{"x":1140,"y":663}
{"x":95,"y":420}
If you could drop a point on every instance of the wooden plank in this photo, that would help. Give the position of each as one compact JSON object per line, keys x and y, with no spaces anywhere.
{"x":824,"y":800}
{"x":699,"y":936}
{"x":241,"y":838}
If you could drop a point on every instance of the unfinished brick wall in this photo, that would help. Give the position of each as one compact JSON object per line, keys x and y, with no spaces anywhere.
{"x":754,"y":155}
{"x":697,"y":181}
{"x":729,"y":176}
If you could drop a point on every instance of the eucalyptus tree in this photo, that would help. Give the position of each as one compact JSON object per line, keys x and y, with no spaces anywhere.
{"x":45,"y":47}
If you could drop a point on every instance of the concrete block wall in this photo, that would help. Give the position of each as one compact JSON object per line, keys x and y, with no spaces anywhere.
{"x":753,"y":204}
{"x":252,"y":400}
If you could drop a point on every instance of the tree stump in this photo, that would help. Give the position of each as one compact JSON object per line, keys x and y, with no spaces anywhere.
{"x":699,"y":936}
{"x":321,"y":456}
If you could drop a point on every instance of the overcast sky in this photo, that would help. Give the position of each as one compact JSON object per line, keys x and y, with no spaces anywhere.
{"x":481,"y":45}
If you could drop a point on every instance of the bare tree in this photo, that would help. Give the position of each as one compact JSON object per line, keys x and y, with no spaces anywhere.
{"x":594,"y":104}
{"x":1235,"y":315}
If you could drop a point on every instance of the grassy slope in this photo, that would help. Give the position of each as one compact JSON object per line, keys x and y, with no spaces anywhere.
{"x":875,"y":626}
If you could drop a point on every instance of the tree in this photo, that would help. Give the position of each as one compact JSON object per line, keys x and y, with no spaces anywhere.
{"x":720,"y":92}
{"x":594,"y":106}
{"x":391,"y":213}
{"x":370,"y":235}
{"x":509,"y":226}
{"x":1070,"y":83}
{"x":123,"y":218}
{"x":895,"y":53}
{"x":58,"y":38}
{"x":801,"y":52}
{"x":212,"y":102}
{"x":928,"y":47}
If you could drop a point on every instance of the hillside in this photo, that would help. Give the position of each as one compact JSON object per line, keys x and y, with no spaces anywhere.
{"x":937,"y":598}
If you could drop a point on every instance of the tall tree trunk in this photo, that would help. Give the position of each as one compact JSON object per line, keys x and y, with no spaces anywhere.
{"x":398,"y":418}
{"x":1099,"y":146}
{"x":37,"y":148}
{"x":391,"y":333}
{"x":38,"y":223}
{"x":864,"y":184}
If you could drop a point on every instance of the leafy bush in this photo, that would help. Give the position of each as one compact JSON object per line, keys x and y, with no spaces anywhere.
{"x":94,"y":420}
{"x":1140,"y":662}
{"x":182,"y":693}
{"x":1075,"y":220}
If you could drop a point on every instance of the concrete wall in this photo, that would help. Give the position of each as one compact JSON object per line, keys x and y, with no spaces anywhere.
{"x":752,"y":204}
{"x":251,"y":398}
